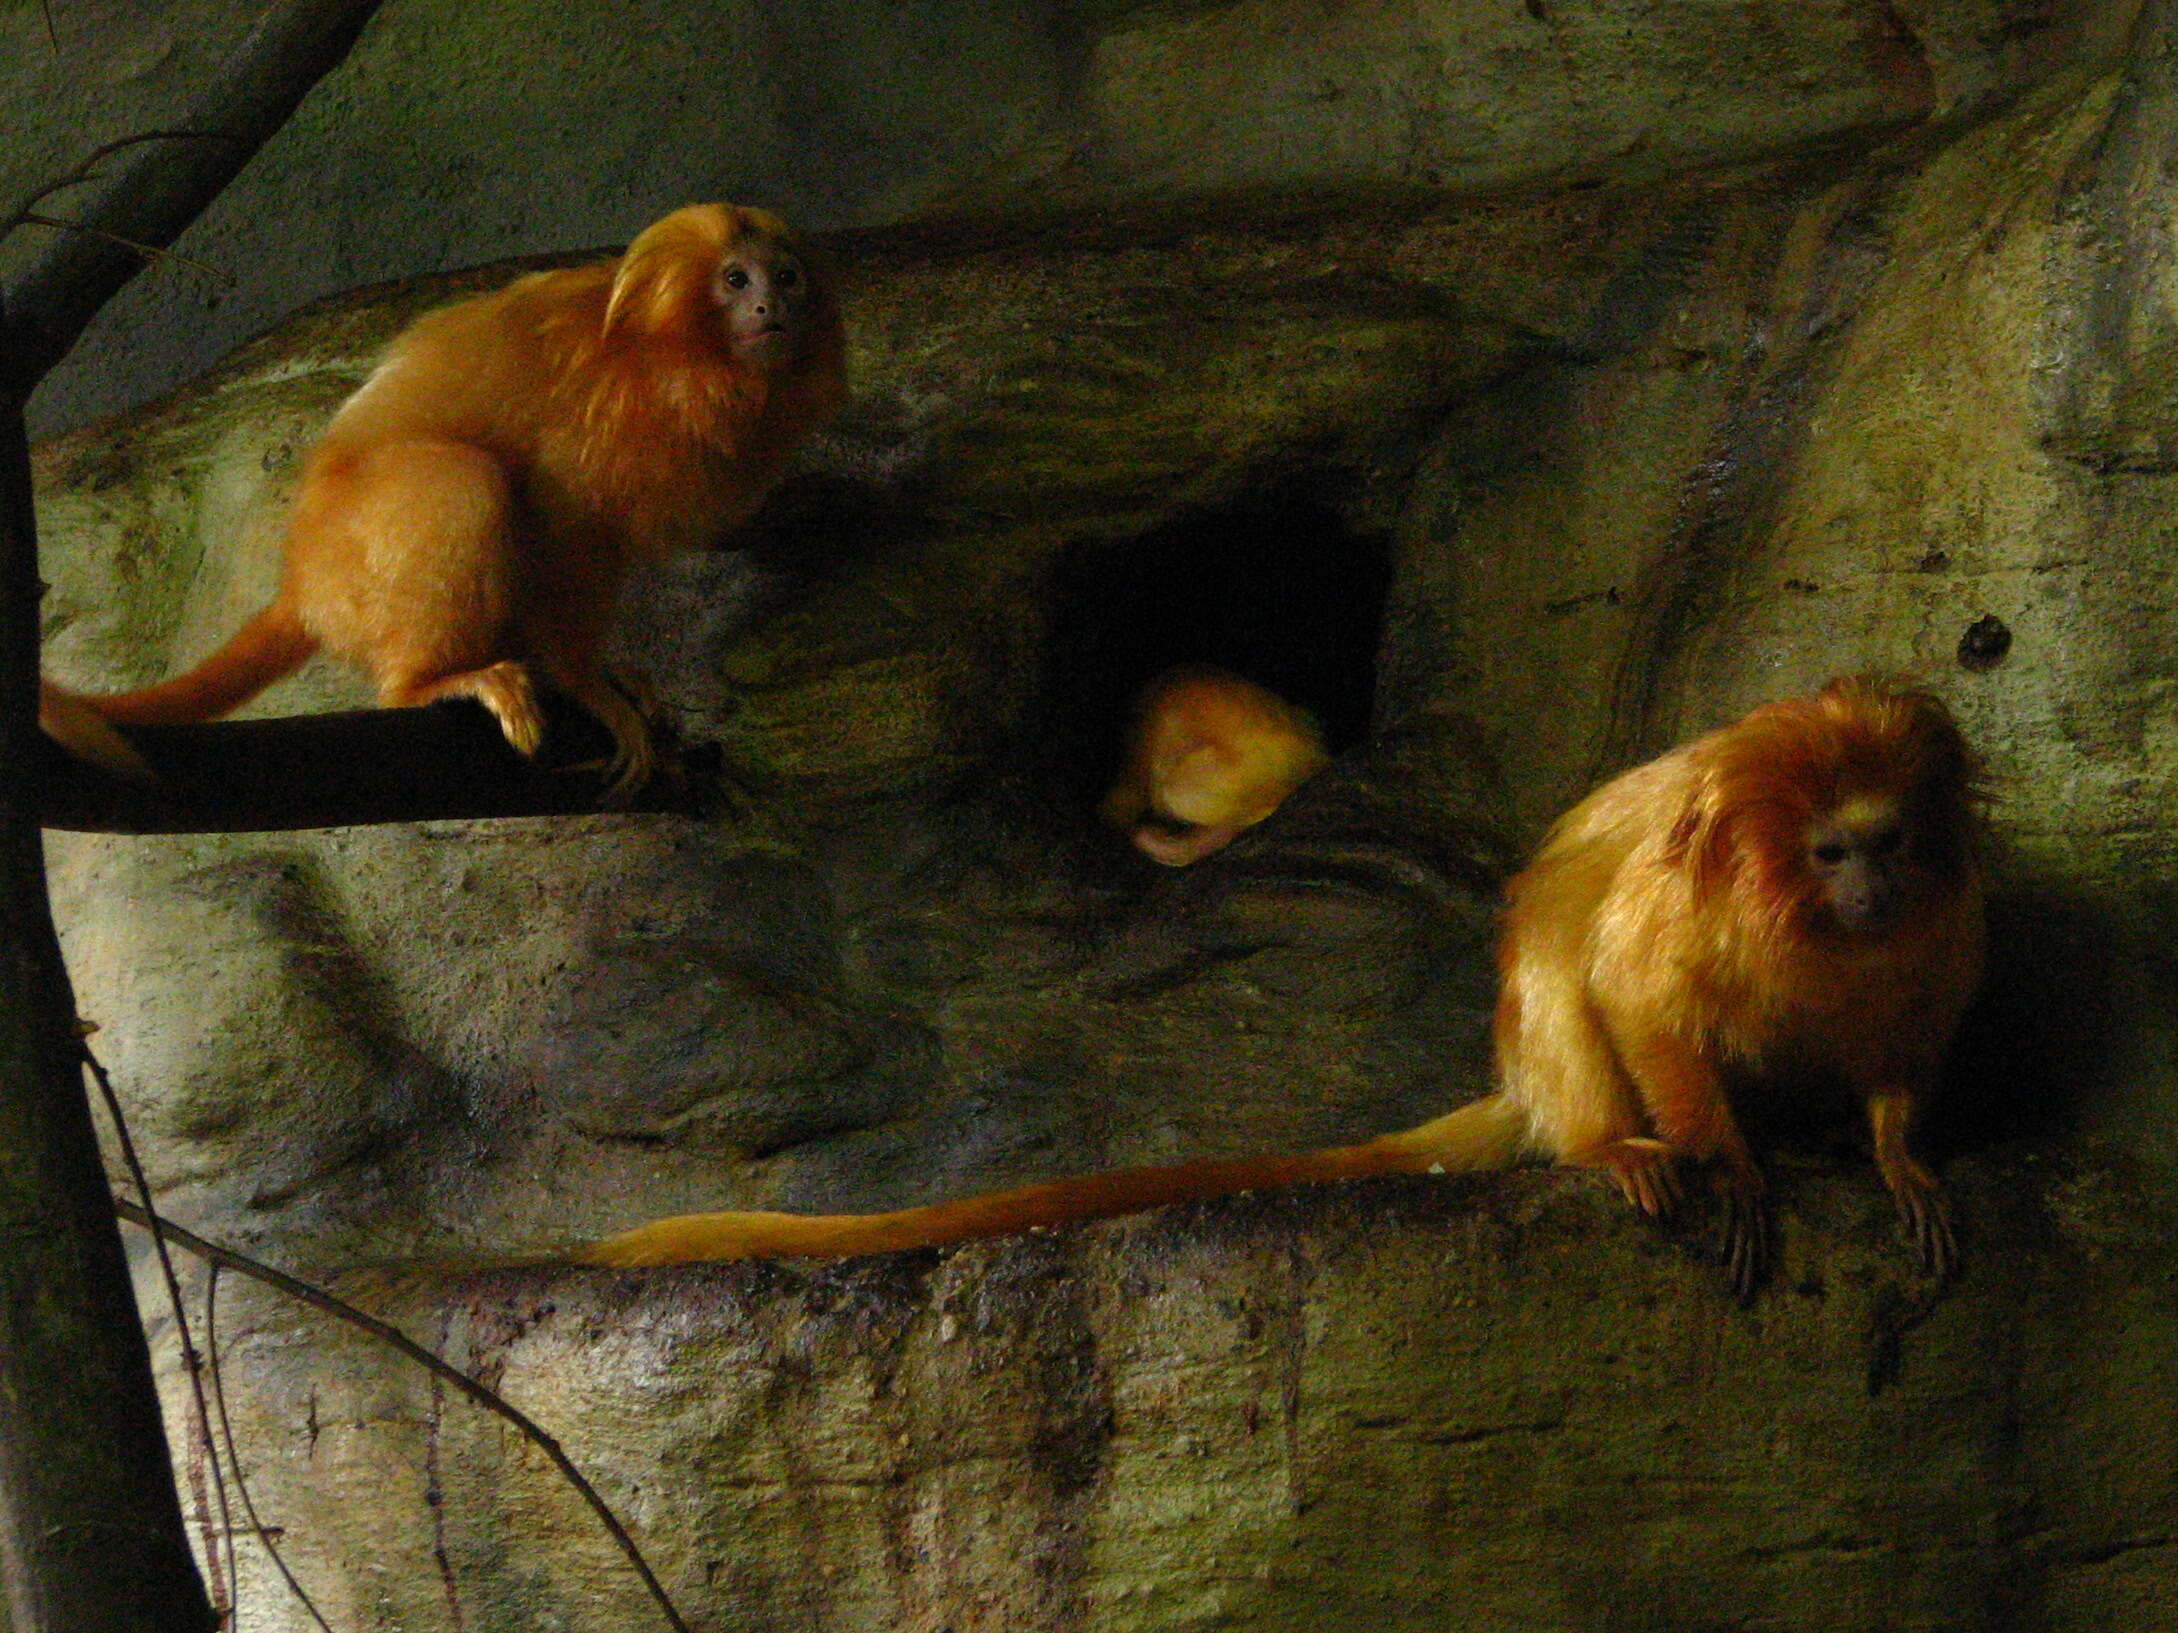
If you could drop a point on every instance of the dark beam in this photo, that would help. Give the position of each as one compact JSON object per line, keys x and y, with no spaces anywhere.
{"x":349,"y":769}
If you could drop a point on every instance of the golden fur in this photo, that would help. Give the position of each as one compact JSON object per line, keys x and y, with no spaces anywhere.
{"x":466,"y":523}
{"x":1668,"y":936}
{"x":1211,"y":755}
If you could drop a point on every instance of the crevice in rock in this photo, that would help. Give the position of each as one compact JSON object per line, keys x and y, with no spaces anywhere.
{"x":1278,"y":586}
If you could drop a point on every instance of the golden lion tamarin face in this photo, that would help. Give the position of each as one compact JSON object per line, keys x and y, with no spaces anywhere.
{"x":1861,"y":857}
{"x":763,"y":291}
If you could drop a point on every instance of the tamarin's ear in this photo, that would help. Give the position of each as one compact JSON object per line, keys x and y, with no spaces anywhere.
{"x":664,"y":277}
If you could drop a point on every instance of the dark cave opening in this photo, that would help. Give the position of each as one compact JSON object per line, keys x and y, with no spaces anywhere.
{"x":1278,"y":587}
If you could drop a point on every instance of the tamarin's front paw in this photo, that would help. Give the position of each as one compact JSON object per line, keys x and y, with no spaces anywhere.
{"x":1926,"y":1215}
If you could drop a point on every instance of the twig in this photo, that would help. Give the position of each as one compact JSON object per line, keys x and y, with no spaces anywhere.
{"x":192,"y":1362}
{"x":234,"y":1456}
{"x":87,"y":170}
{"x":387,"y":1333}
{"x":150,"y":252}
{"x":234,"y":1465}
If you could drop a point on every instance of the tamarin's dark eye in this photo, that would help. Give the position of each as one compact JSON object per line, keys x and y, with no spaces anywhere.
{"x":787,"y":278}
{"x":736,"y":278}
{"x":1830,"y":852}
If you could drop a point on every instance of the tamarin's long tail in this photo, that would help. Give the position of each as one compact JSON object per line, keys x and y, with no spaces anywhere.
{"x":270,"y":645}
{"x":1489,"y":1133}
{"x":87,"y":734}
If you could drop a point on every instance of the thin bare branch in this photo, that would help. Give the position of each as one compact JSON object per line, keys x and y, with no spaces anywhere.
{"x":87,"y":170}
{"x":386,"y":1333}
{"x":232,"y":1611}
{"x":147,"y":251}
{"x":234,"y":1457}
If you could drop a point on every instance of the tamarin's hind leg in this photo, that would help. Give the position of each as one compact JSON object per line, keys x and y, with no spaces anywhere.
{"x":1556,"y":1062}
{"x":503,"y":687}
{"x":402,"y":557}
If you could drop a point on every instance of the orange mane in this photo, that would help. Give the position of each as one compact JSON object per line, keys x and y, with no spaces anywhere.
{"x":1760,"y":784}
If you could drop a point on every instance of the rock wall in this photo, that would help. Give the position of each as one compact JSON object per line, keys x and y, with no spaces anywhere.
{"x":1404,"y":1406}
{"x":1620,"y":461}
{"x":445,"y":139}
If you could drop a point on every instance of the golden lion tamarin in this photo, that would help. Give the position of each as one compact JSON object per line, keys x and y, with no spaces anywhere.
{"x":1799,"y":892}
{"x":1210,"y":755}
{"x":466,"y":523}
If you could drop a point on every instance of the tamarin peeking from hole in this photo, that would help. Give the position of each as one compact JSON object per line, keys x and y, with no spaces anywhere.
{"x":1798,"y":893}
{"x":466,"y":523}
{"x":1210,"y":755}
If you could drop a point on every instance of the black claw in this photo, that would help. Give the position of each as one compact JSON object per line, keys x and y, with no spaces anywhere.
{"x":1746,"y":1228}
{"x":1928,"y":1228}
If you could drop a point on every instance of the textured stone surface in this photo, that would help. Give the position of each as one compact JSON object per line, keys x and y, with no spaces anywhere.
{"x":467,"y":130}
{"x":1412,"y":1405}
{"x":1634,"y":456}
